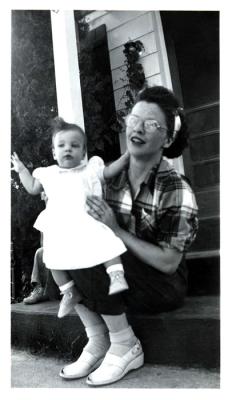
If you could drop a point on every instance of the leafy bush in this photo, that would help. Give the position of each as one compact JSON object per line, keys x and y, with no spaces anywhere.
{"x":33,"y":105}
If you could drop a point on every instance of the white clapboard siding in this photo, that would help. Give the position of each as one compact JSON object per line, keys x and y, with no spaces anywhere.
{"x":112,"y":19}
{"x":117,"y":57}
{"x":119,"y":94}
{"x":150,"y":65}
{"x":154,"y":80}
{"x":122,"y":26}
{"x":134,"y":29}
{"x":119,"y":97}
{"x":119,"y":77}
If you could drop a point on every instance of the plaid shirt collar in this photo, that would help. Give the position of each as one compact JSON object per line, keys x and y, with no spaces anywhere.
{"x":122,"y":181}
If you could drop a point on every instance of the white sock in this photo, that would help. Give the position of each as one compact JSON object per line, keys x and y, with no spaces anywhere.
{"x":122,"y":341}
{"x":114,"y":268}
{"x":66,"y":286}
{"x":98,"y":342}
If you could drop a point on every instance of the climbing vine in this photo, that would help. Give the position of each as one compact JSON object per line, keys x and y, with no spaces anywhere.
{"x":135,"y":78}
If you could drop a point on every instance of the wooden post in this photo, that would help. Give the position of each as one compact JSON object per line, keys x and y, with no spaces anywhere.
{"x":67,"y":72}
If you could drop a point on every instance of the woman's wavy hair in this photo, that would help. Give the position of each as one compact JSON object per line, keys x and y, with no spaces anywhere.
{"x":58,"y":124}
{"x":170,"y":106}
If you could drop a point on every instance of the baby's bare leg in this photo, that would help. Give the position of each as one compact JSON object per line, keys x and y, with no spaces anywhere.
{"x":60,"y":277}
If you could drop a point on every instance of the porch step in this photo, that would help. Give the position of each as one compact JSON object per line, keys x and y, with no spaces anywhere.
{"x":187,"y":337}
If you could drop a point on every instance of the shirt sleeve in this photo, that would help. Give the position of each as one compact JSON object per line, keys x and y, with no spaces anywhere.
{"x":178,"y":216}
{"x":38,"y":173}
{"x":43,"y":176}
{"x":96,"y":164}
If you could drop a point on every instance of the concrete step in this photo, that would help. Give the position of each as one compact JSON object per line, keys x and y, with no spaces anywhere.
{"x":187,"y":337}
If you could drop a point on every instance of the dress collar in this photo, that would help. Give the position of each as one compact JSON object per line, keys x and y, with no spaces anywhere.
{"x":78,"y":167}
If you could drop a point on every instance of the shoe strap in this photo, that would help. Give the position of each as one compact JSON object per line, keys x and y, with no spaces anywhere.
{"x":115,"y":268}
{"x":87,"y":358}
{"x":122,"y":361}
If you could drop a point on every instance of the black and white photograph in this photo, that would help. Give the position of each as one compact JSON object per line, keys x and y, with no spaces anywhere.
{"x":113,"y":264}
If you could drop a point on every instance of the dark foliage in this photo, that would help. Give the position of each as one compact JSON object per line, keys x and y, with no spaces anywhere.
{"x":33,"y":105}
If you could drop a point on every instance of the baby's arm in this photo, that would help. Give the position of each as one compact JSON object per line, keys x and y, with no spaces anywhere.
{"x":31,"y":184}
{"x":116,"y":166}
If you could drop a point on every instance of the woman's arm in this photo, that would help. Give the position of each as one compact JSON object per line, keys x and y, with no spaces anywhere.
{"x":116,"y":166}
{"x":163,"y":259}
{"x":31,"y":184}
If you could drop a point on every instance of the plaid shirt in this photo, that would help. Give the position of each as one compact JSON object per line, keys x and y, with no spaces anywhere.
{"x":164,"y":211}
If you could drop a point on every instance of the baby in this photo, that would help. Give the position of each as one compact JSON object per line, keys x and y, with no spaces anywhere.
{"x":72,"y":239}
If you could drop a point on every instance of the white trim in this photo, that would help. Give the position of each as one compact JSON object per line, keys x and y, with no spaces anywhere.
{"x":161,"y":47}
{"x":94,"y":15}
{"x":66,"y":63}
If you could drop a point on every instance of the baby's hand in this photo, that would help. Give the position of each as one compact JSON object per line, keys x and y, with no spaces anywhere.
{"x":127,"y":154}
{"x":18,"y":166}
{"x":126,"y":157}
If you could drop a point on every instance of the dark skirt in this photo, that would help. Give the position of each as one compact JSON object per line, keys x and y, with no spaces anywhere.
{"x":150,"y":291}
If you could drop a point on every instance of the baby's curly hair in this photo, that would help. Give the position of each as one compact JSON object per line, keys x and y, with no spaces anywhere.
{"x":58,"y":124}
{"x":170,"y":106}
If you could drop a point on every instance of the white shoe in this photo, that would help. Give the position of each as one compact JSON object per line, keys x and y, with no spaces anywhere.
{"x":37,"y":295}
{"x":118,"y":282}
{"x":88,"y":362}
{"x":114,"y":368}
{"x":69,"y":300}
{"x":85,"y":364}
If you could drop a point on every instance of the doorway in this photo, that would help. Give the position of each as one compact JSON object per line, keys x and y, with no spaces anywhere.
{"x":192,"y":40}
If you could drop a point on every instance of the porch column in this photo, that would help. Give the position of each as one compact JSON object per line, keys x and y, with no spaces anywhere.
{"x":67,"y":71}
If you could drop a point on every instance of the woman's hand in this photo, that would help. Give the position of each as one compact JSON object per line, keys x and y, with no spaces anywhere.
{"x":101,"y":211}
{"x":18,"y":166}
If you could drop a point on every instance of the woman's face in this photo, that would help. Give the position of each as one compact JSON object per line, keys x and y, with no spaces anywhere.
{"x":146,"y":139}
{"x":68,"y":148}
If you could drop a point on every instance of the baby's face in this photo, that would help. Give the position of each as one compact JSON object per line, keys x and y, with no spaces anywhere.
{"x":68,"y":148}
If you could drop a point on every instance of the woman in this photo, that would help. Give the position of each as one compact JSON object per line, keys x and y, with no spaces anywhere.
{"x":152,"y":209}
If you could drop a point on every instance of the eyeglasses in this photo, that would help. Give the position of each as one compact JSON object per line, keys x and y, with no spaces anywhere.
{"x":150,"y":125}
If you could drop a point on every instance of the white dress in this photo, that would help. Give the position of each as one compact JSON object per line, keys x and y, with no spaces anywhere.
{"x":72,"y":239}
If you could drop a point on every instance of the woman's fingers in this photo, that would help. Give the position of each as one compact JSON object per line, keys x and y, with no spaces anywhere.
{"x":97,"y":204}
{"x":94,"y":214}
{"x":94,"y":208}
{"x":98,"y":208}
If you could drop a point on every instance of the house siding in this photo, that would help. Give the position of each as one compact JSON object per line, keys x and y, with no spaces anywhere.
{"x":122,"y":26}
